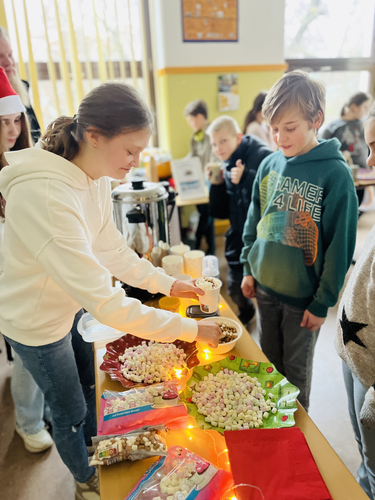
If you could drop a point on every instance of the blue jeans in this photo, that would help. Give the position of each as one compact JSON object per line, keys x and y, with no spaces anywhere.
{"x":364,"y":437}
{"x":288,"y":346}
{"x":28,"y":399}
{"x":64,"y":371}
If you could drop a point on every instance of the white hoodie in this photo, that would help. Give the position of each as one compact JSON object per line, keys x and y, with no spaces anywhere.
{"x":61,"y":247}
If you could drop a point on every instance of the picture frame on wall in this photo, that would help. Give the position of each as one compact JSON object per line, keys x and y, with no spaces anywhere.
{"x":207,"y":21}
{"x":189,"y":179}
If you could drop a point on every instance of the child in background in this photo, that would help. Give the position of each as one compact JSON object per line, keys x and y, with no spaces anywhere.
{"x":254,"y":121}
{"x":196,"y":114}
{"x":300,"y":232}
{"x":27,"y":397}
{"x":241,"y":157}
{"x":355,"y":344}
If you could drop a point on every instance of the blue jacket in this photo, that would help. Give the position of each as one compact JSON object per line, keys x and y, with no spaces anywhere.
{"x":231,"y":201}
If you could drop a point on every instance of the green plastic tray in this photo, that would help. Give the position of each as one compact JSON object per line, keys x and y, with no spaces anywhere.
{"x":272,"y":381}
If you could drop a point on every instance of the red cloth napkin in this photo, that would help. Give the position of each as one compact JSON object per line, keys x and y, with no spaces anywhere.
{"x":278,"y":461}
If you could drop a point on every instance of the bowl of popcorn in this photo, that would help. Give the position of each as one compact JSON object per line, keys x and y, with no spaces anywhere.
{"x":135,"y":361}
{"x":231,"y":332}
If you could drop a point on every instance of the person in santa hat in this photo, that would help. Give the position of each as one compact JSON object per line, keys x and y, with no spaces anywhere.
{"x":28,"y":398}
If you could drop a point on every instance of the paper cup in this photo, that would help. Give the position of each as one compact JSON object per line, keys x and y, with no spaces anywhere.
{"x":209,"y":302}
{"x":173,"y":264}
{"x":214,"y":173}
{"x":179,"y":250}
{"x":193,"y":263}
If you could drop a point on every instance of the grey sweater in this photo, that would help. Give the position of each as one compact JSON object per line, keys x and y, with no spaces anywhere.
{"x":355,"y":338}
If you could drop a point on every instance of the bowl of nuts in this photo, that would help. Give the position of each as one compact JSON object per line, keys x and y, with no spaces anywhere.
{"x":232,"y":331}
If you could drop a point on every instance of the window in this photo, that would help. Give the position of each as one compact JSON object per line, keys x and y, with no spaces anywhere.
{"x":334,"y":41}
{"x":103,"y":38}
{"x":329,"y":29}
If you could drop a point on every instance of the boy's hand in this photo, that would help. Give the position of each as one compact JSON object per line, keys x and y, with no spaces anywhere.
{"x":248,"y":287}
{"x":311,"y":322}
{"x":236,"y":172}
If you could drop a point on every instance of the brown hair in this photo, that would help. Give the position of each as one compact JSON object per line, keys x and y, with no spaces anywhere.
{"x":358,"y":98}
{"x":23,"y":142}
{"x":257,"y":106}
{"x":195,"y":108}
{"x":111,"y":109}
{"x":295,"y":89}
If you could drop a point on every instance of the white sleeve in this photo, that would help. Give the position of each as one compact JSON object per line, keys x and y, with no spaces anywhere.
{"x":52,"y":228}
{"x":111,"y":250}
{"x":71,"y":264}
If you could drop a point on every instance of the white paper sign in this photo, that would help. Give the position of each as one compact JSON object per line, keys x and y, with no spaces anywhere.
{"x":188,"y":175}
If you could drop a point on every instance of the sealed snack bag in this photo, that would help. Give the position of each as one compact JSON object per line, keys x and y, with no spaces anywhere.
{"x":182,"y":475}
{"x":122,"y":412}
{"x":135,"y":445}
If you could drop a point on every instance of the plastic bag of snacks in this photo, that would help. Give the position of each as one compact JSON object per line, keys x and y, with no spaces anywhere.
{"x":122,"y":412}
{"x":143,"y":443}
{"x":182,"y":475}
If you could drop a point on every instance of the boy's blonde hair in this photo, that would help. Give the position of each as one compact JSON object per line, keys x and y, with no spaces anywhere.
{"x":226,"y":122}
{"x":295,"y":89}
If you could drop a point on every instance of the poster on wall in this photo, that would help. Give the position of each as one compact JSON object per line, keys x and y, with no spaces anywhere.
{"x":228,"y":98}
{"x":210,"y":20}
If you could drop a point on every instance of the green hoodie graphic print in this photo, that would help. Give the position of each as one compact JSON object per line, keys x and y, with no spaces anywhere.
{"x":300,"y":232}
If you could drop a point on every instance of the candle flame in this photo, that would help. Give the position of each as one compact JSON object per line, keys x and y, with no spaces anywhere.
{"x":207,"y":353}
{"x":190,"y":426}
{"x":178,"y":373}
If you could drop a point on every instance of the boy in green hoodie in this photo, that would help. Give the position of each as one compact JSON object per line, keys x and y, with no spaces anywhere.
{"x":300,"y":232}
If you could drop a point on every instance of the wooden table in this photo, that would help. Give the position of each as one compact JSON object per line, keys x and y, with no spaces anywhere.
{"x":117,"y":480}
{"x":194,"y":201}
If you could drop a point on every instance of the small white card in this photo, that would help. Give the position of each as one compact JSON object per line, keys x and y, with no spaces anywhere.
{"x":188,"y":175}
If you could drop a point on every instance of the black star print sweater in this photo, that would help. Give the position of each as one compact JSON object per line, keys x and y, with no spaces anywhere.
{"x":355,"y":339}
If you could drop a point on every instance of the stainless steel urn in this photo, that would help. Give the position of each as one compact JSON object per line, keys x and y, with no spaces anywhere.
{"x":141,"y":214}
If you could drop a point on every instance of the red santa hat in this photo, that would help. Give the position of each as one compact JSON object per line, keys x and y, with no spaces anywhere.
{"x":9,"y":100}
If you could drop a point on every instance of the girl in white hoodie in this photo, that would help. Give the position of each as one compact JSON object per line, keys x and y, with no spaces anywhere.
{"x":61,"y":248}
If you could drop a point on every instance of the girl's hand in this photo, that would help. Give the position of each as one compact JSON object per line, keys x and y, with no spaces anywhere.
{"x":236,"y":172}
{"x":248,"y":287}
{"x":186,"y":290}
{"x":311,"y":322}
{"x":209,"y":333}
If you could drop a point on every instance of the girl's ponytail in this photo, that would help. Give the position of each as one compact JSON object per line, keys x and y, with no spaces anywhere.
{"x":59,"y":138}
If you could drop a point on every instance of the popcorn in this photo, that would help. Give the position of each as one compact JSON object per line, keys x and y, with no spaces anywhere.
{"x":152,"y":362}
{"x":134,"y":446}
{"x":227,"y":402}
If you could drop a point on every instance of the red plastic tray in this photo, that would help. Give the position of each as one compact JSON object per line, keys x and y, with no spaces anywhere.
{"x":112,"y":365}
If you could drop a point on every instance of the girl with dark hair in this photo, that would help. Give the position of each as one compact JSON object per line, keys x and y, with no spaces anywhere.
{"x":254,"y":121}
{"x":349,"y":128}
{"x":59,"y":220}
{"x":27,"y":397}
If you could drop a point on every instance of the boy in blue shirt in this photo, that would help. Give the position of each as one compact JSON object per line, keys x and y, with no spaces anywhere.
{"x":300,"y":232}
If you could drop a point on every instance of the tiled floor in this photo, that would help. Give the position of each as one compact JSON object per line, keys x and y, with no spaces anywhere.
{"x":25,"y":476}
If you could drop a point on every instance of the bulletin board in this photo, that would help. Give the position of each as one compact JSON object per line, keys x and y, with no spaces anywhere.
{"x":210,"y":20}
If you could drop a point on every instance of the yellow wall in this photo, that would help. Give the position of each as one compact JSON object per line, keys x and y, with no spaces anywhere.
{"x":176,"y":90}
